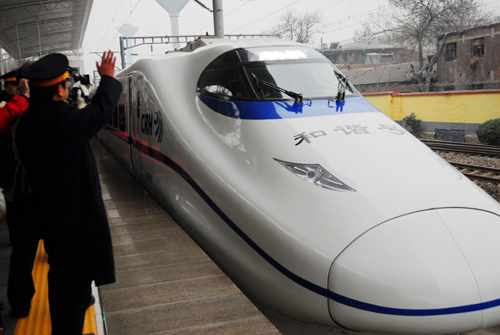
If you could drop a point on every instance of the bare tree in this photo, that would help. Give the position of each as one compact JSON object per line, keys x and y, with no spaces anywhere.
{"x":415,"y":24}
{"x":464,"y":14}
{"x":297,"y":27}
{"x":310,"y":24}
{"x":287,"y":28}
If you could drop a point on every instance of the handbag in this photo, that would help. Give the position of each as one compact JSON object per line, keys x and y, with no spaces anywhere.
{"x":3,"y":205}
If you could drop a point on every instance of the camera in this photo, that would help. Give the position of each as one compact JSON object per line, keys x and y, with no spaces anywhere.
{"x":75,"y":76}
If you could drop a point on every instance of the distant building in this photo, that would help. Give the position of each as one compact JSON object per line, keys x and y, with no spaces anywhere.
{"x":398,"y":78}
{"x":369,"y":56}
{"x":470,"y":59}
{"x":374,"y":66}
{"x":350,"y":53}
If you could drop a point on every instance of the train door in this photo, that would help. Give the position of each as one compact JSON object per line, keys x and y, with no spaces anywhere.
{"x":134,"y":121}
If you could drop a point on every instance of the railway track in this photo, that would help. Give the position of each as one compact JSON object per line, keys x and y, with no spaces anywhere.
{"x":473,"y":149}
{"x":476,"y":172}
{"x":491,"y":175}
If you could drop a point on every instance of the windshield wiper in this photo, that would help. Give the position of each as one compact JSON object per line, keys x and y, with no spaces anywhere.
{"x":297,"y":96}
{"x":343,"y":85}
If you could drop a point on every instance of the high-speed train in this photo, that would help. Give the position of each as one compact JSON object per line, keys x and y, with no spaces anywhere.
{"x":329,"y":216}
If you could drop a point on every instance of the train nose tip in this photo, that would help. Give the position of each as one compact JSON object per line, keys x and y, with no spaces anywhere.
{"x":435,"y":271}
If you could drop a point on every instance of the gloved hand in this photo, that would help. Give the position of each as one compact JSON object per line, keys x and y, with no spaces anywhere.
{"x":80,"y":100}
{"x":85,"y":91}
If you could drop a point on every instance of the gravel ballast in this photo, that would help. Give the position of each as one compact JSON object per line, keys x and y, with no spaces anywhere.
{"x":494,"y":162}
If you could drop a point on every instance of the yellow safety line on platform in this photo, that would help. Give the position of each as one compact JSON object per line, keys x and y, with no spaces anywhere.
{"x":38,"y":322}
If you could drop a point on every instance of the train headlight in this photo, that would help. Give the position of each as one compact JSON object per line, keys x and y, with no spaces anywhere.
{"x":317,"y":175}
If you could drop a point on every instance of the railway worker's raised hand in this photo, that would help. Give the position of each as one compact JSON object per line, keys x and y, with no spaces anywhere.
{"x":107,"y":66}
{"x":24,"y":88}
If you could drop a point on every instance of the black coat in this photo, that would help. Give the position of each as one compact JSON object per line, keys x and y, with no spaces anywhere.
{"x":53,"y":142}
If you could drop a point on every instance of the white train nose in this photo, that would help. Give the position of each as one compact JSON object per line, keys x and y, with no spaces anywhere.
{"x":435,"y":271}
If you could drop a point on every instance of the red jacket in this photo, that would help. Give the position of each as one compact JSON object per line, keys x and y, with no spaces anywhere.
{"x":12,"y":111}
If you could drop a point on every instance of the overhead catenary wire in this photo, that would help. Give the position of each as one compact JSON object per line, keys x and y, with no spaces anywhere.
{"x":333,"y":4}
{"x":267,"y":16}
{"x":321,"y":9}
{"x":355,"y":16}
{"x":109,"y":26}
{"x":203,"y":5}
{"x":270,"y":13}
{"x":126,"y":20}
{"x":225,"y":15}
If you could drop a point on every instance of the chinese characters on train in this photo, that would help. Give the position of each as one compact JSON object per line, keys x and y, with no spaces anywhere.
{"x":347,"y":130}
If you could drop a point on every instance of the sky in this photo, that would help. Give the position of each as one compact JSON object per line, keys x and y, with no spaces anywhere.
{"x":341,"y":19}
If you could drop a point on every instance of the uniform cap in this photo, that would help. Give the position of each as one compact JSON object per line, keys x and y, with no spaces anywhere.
{"x":10,"y":77}
{"x":47,"y":71}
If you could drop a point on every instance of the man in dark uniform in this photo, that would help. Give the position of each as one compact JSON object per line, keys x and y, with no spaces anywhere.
{"x":53,"y":142}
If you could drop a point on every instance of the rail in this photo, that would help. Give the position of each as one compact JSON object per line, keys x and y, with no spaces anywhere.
{"x":478,"y":172}
{"x":475,"y":149}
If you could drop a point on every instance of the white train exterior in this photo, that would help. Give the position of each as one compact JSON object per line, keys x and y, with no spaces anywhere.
{"x":330,"y":217}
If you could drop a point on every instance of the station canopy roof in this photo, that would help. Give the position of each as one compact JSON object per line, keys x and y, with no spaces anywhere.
{"x":30,"y":29}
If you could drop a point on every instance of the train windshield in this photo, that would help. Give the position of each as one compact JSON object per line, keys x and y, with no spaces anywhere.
{"x":267,"y":74}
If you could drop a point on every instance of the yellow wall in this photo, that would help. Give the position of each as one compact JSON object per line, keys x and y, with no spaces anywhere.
{"x":464,"y":107}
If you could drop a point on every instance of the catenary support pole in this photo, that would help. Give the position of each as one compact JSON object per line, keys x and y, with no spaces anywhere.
{"x":122,"y":53}
{"x":218,"y":19}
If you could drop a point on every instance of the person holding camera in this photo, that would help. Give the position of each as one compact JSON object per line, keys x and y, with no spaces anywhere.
{"x":53,"y":141}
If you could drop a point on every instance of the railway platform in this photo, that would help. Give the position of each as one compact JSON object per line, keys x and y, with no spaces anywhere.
{"x":165,"y":283}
